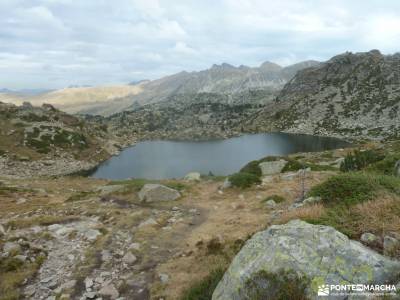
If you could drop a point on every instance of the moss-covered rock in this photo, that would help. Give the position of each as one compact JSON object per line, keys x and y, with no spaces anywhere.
{"x":316,"y":254}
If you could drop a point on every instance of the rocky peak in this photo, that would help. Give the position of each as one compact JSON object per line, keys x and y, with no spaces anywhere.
{"x":352,"y":94}
{"x":270,"y":67}
{"x":223,"y":66}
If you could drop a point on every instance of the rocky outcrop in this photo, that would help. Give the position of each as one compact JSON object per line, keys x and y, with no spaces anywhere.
{"x":43,"y":141}
{"x":320,"y":254}
{"x":350,"y":95}
{"x":157,"y":193}
{"x":272,"y":167}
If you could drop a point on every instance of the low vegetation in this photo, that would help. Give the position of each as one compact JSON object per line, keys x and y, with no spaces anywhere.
{"x":275,"y":198}
{"x":352,"y":188}
{"x":244,"y":180}
{"x":204,"y":289}
{"x":43,"y":220}
{"x":281,"y":286}
{"x":355,"y":202}
{"x":359,"y":160}
{"x":385,"y":166}
{"x":14,"y":274}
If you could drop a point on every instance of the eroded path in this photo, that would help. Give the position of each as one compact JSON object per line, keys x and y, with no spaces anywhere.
{"x":99,"y":241}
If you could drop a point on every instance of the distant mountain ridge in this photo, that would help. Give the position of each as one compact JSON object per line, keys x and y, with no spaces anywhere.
{"x":219,"y":79}
{"x":350,"y":95}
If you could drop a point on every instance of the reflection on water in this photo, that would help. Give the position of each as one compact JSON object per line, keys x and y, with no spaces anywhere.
{"x":172,"y":159}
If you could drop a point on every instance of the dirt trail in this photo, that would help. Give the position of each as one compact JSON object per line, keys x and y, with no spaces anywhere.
{"x":138,"y":251}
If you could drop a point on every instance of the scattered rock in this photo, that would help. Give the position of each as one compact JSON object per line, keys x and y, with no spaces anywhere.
{"x":267,"y":179}
{"x":129,"y":258}
{"x":157,"y":192}
{"x":321,"y":253}
{"x":68,"y":285}
{"x":21,"y":258}
{"x":148,"y":222}
{"x":109,"y":291}
{"x":272,"y":167}
{"x":11,"y":247}
{"x":227,"y":184}
{"x":337,"y":163}
{"x":91,"y":234}
{"x":270,"y":204}
{"x":391,"y":244}
{"x":295,"y":205}
{"x":2,"y":230}
{"x":397,"y":168}
{"x":134,"y":246}
{"x":21,"y":200}
{"x":90,"y":295}
{"x":106,"y":255}
{"x":88,"y":283}
{"x":164,"y":278}
{"x":311,"y":200}
{"x":369,"y":238}
{"x":109,"y":189}
{"x":192,"y":176}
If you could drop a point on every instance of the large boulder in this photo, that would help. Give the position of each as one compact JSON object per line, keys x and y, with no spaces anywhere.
{"x":272,"y":167}
{"x":320,"y":253}
{"x":157,"y":192}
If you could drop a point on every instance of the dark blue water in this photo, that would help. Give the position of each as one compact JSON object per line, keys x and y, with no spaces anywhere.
{"x":173,"y":159}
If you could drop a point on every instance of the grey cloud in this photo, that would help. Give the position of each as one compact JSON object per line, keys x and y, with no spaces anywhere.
{"x":55,"y":43}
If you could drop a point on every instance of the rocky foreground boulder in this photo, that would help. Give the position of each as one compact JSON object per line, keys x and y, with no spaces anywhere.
{"x":319,"y":254}
{"x":157,"y":193}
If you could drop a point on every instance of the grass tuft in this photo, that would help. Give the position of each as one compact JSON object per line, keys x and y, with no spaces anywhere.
{"x":204,"y":289}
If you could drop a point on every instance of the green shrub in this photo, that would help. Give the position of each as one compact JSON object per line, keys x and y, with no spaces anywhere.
{"x":341,"y":218}
{"x":204,"y":289}
{"x":11,"y":264}
{"x":316,"y":167}
{"x":358,"y":160}
{"x":176,"y":185}
{"x":385,"y":166}
{"x":281,"y":286}
{"x":352,"y":188}
{"x":252,"y":168}
{"x":244,"y":180}
{"x":276,"y":198}
{"x":292,"y":166}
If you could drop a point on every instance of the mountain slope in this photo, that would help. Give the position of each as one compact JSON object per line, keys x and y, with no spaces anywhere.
{"x":76,"y":99}
{"x":220,"y":79}
{"x":350,"y":95}
{"x":46,"y":141}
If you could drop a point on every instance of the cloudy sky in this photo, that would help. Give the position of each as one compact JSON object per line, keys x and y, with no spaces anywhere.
{"x":56,"y":43}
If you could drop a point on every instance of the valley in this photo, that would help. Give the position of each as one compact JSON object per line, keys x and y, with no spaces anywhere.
{"x":294,"y":219}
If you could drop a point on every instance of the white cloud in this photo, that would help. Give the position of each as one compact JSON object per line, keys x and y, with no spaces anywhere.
{"x":55,"y":43}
